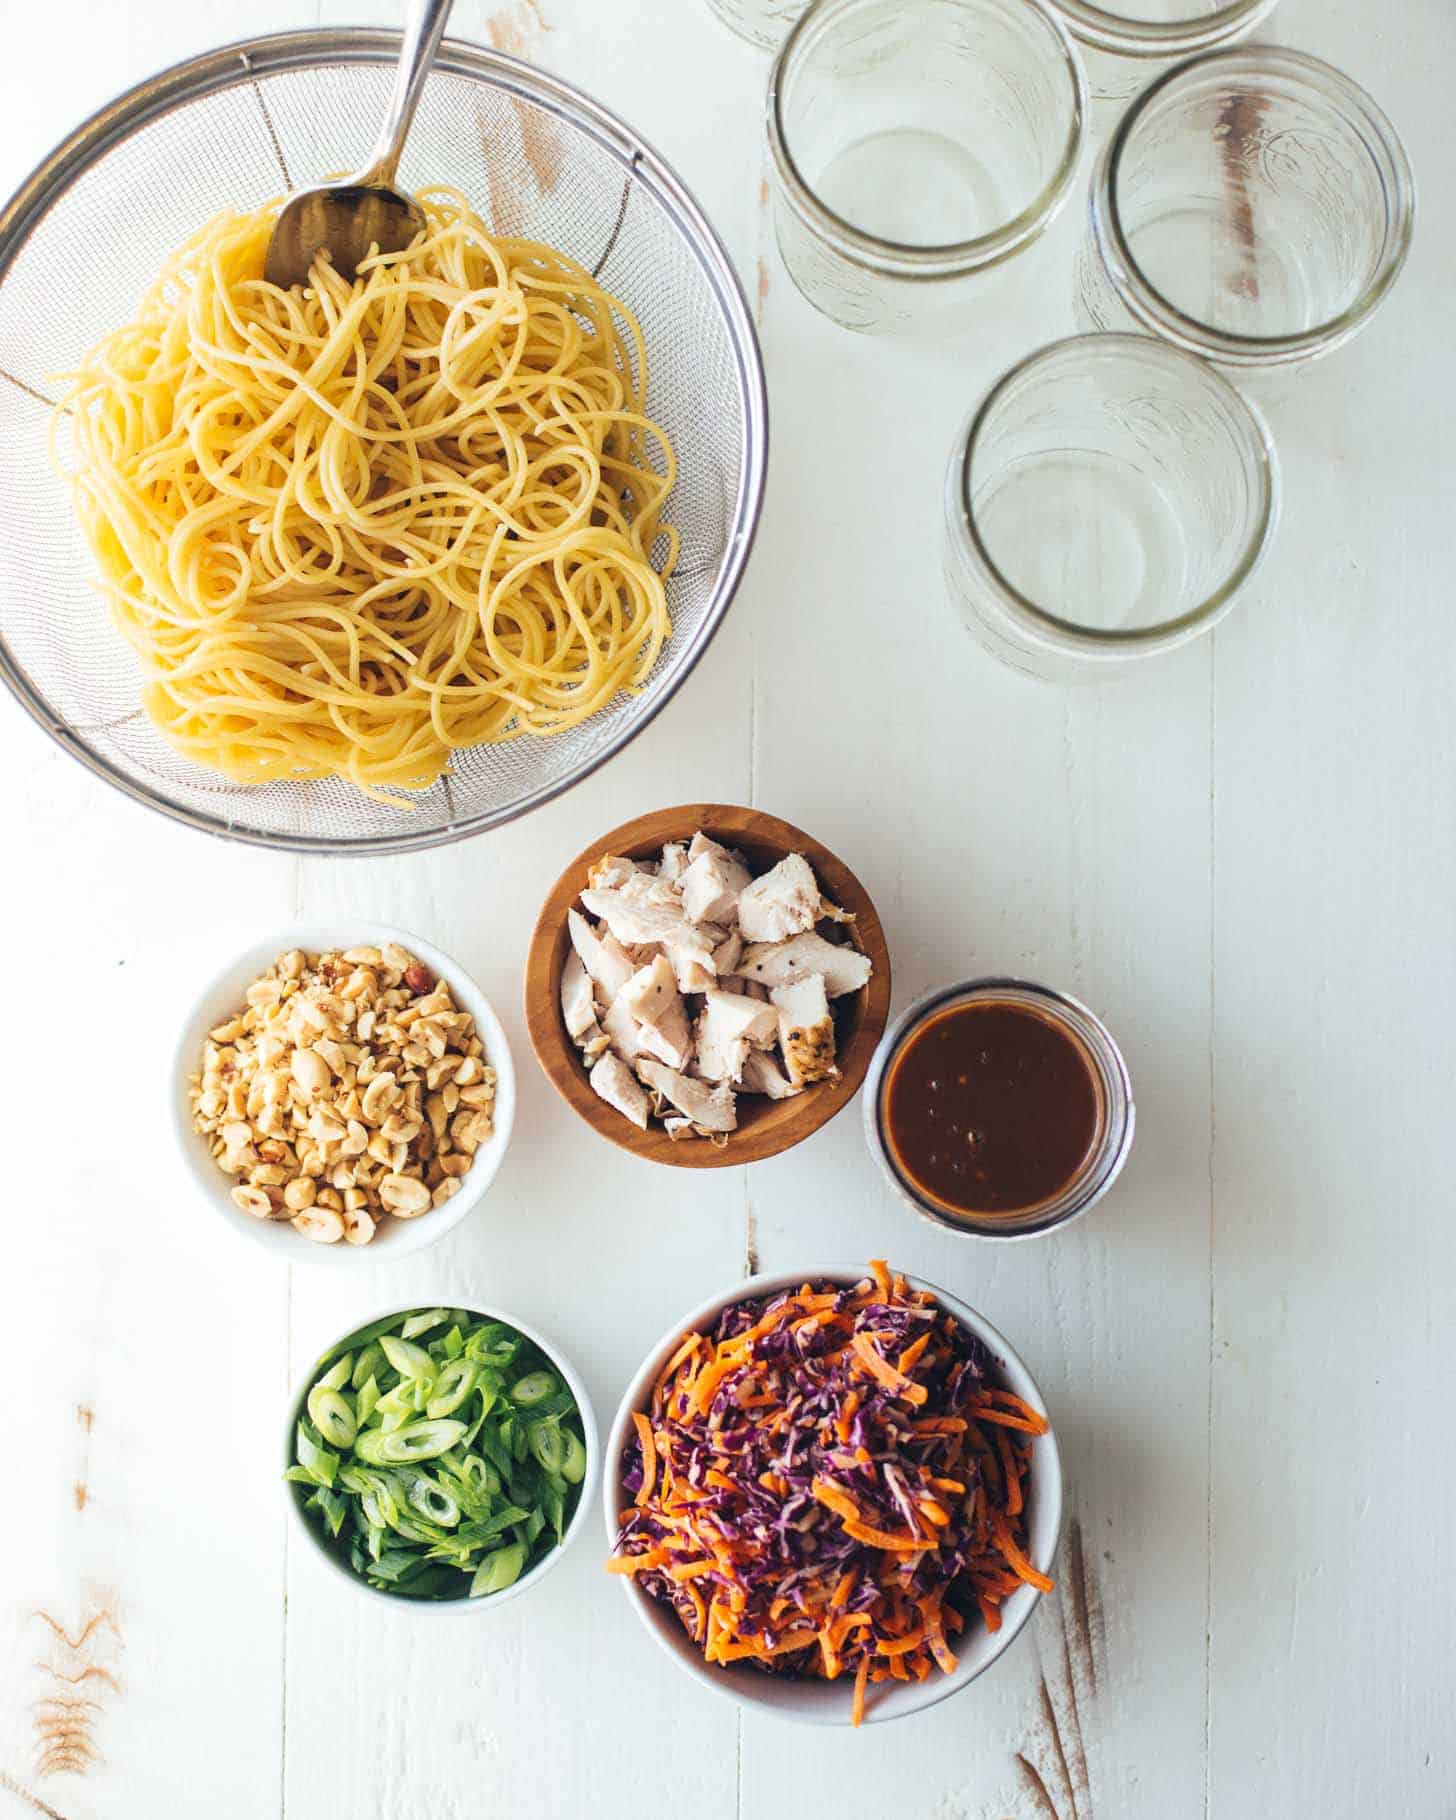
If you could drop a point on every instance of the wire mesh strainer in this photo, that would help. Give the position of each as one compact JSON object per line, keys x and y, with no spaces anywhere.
{"x":233,"y":128}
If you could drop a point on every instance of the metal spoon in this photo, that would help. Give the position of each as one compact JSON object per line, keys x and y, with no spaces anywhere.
{"x":363,"y":212}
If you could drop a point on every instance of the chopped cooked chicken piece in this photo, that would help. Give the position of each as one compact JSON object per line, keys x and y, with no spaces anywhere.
{"x":710,"y":887}
{"x":755,"y":989}
{"x":671,"y":1041}
{"x":726,"y":1029}
{"x":578,"y":1001}
{"x":734,"y":1014}
{"x":651,"y":999}
{"x":704,"y":843}
{"x":613,"y":1081}
{"x":610,"y":872}
{"x":640,"y":922}
{"x":781,"y":903}
{"x":693,"y":968}
{"x":762,"y":1074}
{"x":624,"y":1033}
{"x":651,"y":991}
{"x":601,"y":954}
{"x":728,"y":953}
{"x":594,"y":1042}
{"x":832,"y":913}
{"x":806,"y":1029}
{"x":845,"y":969}
{"x":674,"y":861}
{"x":717,"y":1057}
{"x":714,"y":1108}
{"x":646,"y":888}
{"x":676,"y":1126}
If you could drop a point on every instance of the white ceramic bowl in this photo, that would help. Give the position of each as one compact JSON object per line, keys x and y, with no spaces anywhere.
{"x":223,"y":994}
{"x":817,"y":1702}
{"x":297,"y":1494}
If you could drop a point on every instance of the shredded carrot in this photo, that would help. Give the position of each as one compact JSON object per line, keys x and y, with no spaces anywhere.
{"x":1019,"y":1563}
{"x":834,"y":1499}
{"x":883,"y":1538}
{"x":880,"y":1271}
{"x":649,"y":1457}
{"x":1003,"y":1418}
{"x":1009,"y":1411}
{"x":636,"y":1564}
{"x":884,"y":1372}
{"x":857,"y":1705}
{"x":1010,"y":1477}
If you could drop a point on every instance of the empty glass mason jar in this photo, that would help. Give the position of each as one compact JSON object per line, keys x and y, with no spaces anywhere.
{"x":1126,"y":43}
{"x":1254,"y":206}
{"x":1107,"y":501}
{"x":918,"y":145}
{"x":762,"y":22}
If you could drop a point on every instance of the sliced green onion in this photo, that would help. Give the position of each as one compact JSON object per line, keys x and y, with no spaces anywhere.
{"x":433,"y":1502}
{"x":573,"y":1467}
{"x":314,"y":1458}
{"x":337,"y":1376}
{"x":534,"y":1388}
{"x":332,"y":1416}
{"x":548,"y":1445}
{"x":368,"y":1365}
{"x":452,"y":1387}
{"x":423,"y":1322}
{"x":334,"y":1508}
{"x":408,"y":1445}
{"x":365,"y":1400}
{"x":409,"y":1360}
{"x":498,"y":1570}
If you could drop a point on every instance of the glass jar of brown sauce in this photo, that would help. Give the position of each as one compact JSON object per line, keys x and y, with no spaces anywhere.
{"x":999,"y":1107}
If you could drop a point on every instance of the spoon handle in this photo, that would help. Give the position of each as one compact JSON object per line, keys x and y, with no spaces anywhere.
{"x":423,"y":31}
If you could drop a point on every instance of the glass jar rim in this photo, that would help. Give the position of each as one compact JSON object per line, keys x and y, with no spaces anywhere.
{"x":1121,"y":36}
{"x":1085,"y":1189}
{"x":952,"y":259}
{"x":1118,"y":642}
{"x":1158,"y":313}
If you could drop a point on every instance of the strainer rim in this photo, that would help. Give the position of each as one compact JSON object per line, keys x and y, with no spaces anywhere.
{"x":245,"y":60}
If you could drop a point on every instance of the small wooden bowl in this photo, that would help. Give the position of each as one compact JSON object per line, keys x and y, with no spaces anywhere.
{"x":765,"y":1127}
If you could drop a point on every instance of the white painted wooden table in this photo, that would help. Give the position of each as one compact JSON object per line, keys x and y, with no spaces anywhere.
{"x":1244,"y":859}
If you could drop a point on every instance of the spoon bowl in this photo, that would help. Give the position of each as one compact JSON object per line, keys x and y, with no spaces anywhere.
{"x":346,"y":221}
{"x":343,"y":222}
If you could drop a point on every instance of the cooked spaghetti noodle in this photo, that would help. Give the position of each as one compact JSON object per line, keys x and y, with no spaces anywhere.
{"x":353,"y":528}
